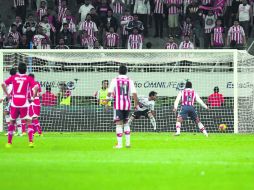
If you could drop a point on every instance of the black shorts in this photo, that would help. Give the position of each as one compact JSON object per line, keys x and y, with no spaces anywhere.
{"x":138,"y":114}
{"x":121,"y":115}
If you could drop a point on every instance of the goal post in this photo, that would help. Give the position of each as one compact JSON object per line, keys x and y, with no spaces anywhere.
{"x":1,"y":91}
{"x":79,"y":73}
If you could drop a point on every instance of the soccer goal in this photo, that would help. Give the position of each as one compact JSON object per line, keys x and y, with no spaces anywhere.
{"x":79,"y":74}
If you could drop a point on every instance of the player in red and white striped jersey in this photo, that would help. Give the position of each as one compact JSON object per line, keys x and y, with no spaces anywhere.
{"x":111,"y":39}
{"x":188,"y":96}
{"x":42,"y":11}
{"x":88,"y":25}
{"x":171,"y":44}
{"x":217,"y":35}
{"x":125,"y":19}
{"x":19,"y":100}
{"x":87,"y":41}
{"x":186,"y":44}
{"x":236,"y":35}
{"x":122,"y":88}
{"x":135,"y":40}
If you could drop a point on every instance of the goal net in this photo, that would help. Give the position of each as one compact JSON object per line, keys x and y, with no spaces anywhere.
{"x":74,"y":78}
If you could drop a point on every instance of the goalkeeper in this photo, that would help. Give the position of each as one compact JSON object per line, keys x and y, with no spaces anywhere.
{"x":145,"y":108}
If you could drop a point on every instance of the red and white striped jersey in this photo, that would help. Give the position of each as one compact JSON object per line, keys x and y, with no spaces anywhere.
{"x":122,"y":87}
{"x":118,"y":7}
{"x":172,"y":45}
{"x":88,"y":41}
{"x":19,"y":3}
{"x":187,"y":29}
{"x":206,"y":2}
{"x":186,"y":45}
{"x":236,"y":33}
{"x":218,"y":35}
{"x":135,"y":41}
{"x":41,"y":12}
{"x":124,"y":22}
{"x":15,"y":35}
{"x":90,"y":27}
{"x":37,"y":39}
{"x":158,"y":7}
{"x":112,"y":39}
{"x":188,"y":97}
{"x":174,"y":9}
{"x":61,"y":13}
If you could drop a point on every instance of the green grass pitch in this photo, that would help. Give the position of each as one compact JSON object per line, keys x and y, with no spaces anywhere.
{"x":156,"y":161}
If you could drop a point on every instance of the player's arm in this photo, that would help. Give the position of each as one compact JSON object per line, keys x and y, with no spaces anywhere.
{"x":133,"y":91}
{"x":201,"y":102}
{"x":4,"y":86}
{"x":111,"y":89}
{"x":178,"y":98}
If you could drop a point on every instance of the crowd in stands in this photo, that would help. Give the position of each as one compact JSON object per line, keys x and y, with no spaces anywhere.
{"x":111,"y":24}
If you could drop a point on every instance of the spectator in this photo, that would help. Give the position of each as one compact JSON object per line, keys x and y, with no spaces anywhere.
{"x":38,"y":38}
{"x":44,"y":44}
{"x":61,"y":44}
{"x":216,"y":99}
{"x":111,"y":39}
{"x":97,"y":45}
{"x":149,"y":45}
{"x":174,"y":8}
{"x":217,"y":35}
{"x":48,"y":98}
{"x":87,"y":41}
{"x":125,"y":19}
{"x":102,"y":9}
{"x":88,"y":25}
{"x":245,"y":15}
{"x":95,"y":17}
{"x":66,"y":35}
{"x":61,"y":13}
{"x":38,"y":3}
{"x":18,"y":23}
{"x":42,"y":11}
{"x":187,"y":28}
{"x":20,"y":8}
{"x":101,"y":95}
{"x":135,"y":23}
{"x":142,"y":9}
{"x":10,"y":43}
{"x":24,"y":43}
{"x":158,"y":11}
{"x":45,"y":25}
{"x":109,"y":21}
{"x":71,"y":27}
{"x":29,"y":28}
{"x":2,"y":26}
{"x":84,"y":10}
{"x":186,"y":43}
{"x":135,"y":40}
{"x":209,"y":24}
{"x":14,"y":33}
{"x":228,"y":13}
{"x":2,"y":38}
{"x":171,"y":43}
{"x":236,"y":36}
{"x":52,"y":22}
{"x":118,"y":8}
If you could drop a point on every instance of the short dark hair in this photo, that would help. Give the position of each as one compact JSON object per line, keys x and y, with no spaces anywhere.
{"x":48,"y":88}
{"x":152,"y":93}
{"x":13,"y":71}
{"x":149,"y":45}
{"x":31,"y":75}
{"x":216,"y":89}
{"x":188,"y":84}
{"x":22,"y":68}
{"x":104,"y":81}
{"x":123,"y":70}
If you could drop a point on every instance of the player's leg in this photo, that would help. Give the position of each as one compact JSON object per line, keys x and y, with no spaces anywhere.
{"x":180,"y":118}
{"x":24,"y":114}
{"x":119,"y":127}
{"x":131,"y":119}
{"x":195,"y":118}
{"x":14,"y":112}
{"x":23,"y":126}
{"x":19,"y":127}
{"x":152,"y":120}
{"x":127,"y":130}
{"x":36,"y":122}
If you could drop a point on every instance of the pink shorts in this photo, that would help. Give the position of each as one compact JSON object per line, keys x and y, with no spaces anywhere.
{"x":22,"y":113}
{"x":34,"y":111}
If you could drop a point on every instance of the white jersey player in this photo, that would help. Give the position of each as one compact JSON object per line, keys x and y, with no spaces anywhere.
{"x":122,"y":88}
{"x":145,"y":108}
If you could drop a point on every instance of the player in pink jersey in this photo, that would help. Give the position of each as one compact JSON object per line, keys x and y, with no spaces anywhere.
{"x":19,"y":101}
{"x":35,"y":108}
{"x":188,"y":96}
{"x":122,"y":87}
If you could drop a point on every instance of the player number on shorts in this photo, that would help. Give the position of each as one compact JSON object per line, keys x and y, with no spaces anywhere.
{"x":20,"y":82}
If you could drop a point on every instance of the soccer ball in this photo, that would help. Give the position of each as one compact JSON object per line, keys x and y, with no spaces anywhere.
{"x":222,"y":127}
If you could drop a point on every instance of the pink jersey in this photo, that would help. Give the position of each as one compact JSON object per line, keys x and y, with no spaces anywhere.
{"x":218,"y":36}
{"x":135,"y":41}
{"x":41,"y":12}
{"x":174,"y":6}
{"x":236,"y":33}
{"x":90,"y":26}
{"x":112,"y":39}
{"x":37,"y":97}
{"x":21,"y":85}
{"x":126,"y":19}
{"x":188,"y":97}
{"x":158,"y":7}
{"x":172,"y":45}
{"x":118,"y":7}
